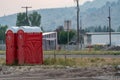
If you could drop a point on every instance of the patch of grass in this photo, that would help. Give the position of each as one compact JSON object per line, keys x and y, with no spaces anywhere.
{"x":97,"y":61}
{"x":82,"y":52}
{"x":59,"y":61}
{"x":82,"y":62}
{"x":77,"y":62}
{"x":2,"y":61}
{"x":2,"y":52}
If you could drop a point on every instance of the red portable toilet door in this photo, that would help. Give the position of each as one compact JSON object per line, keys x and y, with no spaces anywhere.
{"x":10,"y":48}
{"x":20,"y":42}
{"x":33,"y":49}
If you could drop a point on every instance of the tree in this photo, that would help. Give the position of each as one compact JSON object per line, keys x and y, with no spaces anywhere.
{"x":62,"y":36}
{"x":21,"y":20}
{"x":105,"y":29}
{"x":100,"y":29}
{"x":2,"y":32}
{"x":34,"y":19}
{"x":118,"y":29}
{"x":60,"y":28}
{"x":112,"y":30}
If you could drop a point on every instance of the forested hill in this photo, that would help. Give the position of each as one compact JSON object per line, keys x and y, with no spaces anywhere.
{"x":93,"y":13}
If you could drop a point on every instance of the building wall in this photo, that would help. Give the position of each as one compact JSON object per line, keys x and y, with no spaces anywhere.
{"x":104,"y":39}
{"x":50,"y":41}
{"x":101,"y":39}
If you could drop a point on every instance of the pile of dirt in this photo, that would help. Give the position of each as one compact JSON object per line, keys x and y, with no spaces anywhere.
{"x":56,"y":73}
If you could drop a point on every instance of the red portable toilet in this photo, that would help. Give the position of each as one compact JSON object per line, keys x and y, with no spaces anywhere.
{"x":11,"y":45}
{"x":30,"y":45}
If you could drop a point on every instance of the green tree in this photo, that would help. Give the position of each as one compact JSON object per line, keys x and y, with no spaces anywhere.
{"x":87,"y":30}
{"x":63,"y":35}
{"x":118,"y":29}
{"x":105,"y":29}
{"x":2,"y":32}
{"x":99,"y":29}
{"x":21,"y":20}
{"x":90,"y":29}
{"x":33,"y":19}
{"x":60,"y":28}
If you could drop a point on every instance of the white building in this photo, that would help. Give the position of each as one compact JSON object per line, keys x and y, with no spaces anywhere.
{"x":50,"y":41}
{"x":67,"y":25}
{"x":101,"y":38}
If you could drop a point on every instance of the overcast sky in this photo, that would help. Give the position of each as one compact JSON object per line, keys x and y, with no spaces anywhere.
{"x":14,"y":6}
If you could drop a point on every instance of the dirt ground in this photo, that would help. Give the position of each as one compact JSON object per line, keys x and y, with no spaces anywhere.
{"x":58,"y":73}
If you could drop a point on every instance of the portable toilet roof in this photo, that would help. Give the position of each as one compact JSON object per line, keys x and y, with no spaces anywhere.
{"x":13,"y":29}
{"x":29,"y":29}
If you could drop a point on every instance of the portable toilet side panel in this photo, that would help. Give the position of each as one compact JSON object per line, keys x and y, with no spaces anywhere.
{"x":33,"y":48}
{"x":20,"y":50}
{"x":11,"y":46}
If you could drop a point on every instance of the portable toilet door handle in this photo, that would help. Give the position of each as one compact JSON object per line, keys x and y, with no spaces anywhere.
{"x":20,"y":36}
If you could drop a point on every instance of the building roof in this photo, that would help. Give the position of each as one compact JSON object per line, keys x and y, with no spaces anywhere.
{"x":46,"y":33}
{"x":101,"y":33}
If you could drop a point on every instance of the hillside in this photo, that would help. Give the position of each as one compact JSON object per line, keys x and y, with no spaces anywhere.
{"x":95,"y":4}
{"x":99,"y":16}
{"x":93,"y":13}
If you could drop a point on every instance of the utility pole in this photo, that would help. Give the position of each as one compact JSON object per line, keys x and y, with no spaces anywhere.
{"x":81,"y":33}
{"x":109,"y":17}
{"x":26,"y":7}
{"x":68,"y":31}
{"x":78,"y":36}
